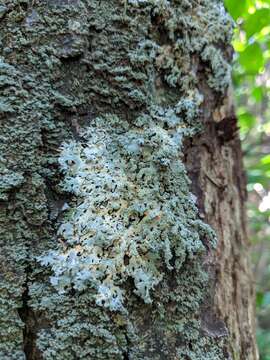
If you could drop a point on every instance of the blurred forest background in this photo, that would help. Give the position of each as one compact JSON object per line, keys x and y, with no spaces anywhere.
{"x":251,"y":74}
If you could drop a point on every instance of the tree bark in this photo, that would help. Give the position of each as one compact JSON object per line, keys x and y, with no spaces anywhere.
{"x":114,"y":114}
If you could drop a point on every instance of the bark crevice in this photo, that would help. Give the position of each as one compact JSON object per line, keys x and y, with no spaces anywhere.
{"x":28,"y":317}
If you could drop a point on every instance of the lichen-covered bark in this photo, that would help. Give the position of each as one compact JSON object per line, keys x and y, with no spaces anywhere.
{"x":105,"y":107}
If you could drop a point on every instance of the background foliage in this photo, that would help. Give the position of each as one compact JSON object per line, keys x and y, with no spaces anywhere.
{"x":252,"y":89}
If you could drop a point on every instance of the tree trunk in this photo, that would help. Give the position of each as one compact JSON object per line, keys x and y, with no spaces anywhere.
{"x":114,"y":114}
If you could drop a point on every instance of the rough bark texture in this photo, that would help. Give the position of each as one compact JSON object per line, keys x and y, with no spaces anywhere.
{"x":105,"y":108}
{"x":214,"y":163}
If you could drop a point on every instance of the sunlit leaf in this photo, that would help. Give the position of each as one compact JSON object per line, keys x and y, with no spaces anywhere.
{"x":257,"y":21}
{"x":236,"y":8}
{"x":239,"y":44}
{"x":246,"y":121}
{"x":257,"y":93}
{"x":251,"y":58}
{"x":265,"y":160}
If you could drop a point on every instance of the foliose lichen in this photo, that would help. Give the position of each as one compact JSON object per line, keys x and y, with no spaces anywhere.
{"x":134,"y":208}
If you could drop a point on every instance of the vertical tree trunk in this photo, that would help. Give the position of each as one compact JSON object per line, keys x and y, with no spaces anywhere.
{"x":114,"y":114}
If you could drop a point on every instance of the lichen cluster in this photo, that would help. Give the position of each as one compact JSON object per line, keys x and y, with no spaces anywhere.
{"x":134,"y":215}
{"x":103,"y":247}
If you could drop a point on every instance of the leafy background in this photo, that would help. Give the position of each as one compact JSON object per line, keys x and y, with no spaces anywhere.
{"x":251,"y":75}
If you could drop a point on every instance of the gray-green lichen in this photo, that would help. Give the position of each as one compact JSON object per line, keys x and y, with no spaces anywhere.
{"x":134,"y":209}
{"x":102,"y":248}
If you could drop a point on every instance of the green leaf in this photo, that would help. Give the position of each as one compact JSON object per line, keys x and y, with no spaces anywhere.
{"x":257,"y":93}
{"x":265,"y":160}
{"x":258,"y":176}
{"x":259,"y":299}
{"x":246,"y":121}
{"x":236,"y":8}
{"x":254,"y":177}
{"x":251,"y":58}
{"x":257,"y":21}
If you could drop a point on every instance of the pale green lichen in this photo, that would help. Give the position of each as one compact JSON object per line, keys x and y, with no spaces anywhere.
{"x":134,"y":210}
